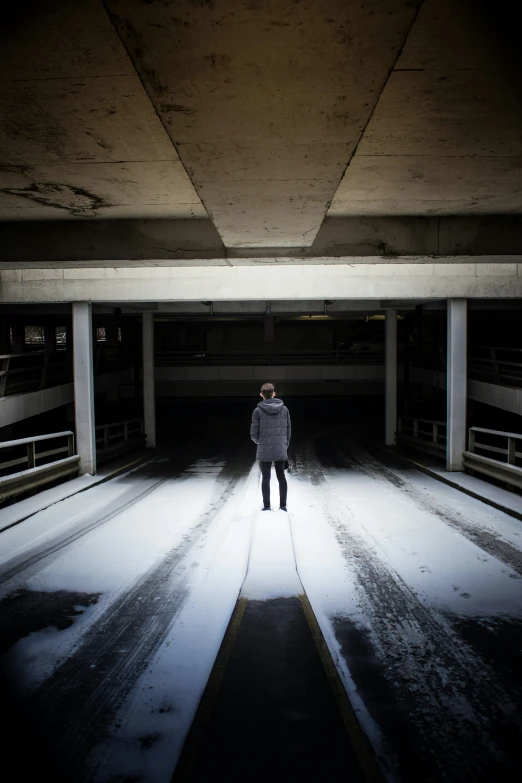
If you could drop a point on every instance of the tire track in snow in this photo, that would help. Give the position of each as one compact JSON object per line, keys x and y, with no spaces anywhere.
{"x":483,"y":537}
{"x":27,"y":563}
{"x":455,"y":703}
{"x":79,"y":700}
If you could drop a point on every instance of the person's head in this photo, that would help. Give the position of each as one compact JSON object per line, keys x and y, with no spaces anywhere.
{"x":267,"y":391}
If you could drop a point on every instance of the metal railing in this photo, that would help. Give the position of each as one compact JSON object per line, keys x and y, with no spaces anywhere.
{"x":506,"y":469}
{"x":21,"y":372}
{"x":268,"y":357}
{"x":423,"y":434}
{"x":36,"y":475}
{"x":118,"y":436}
{"x":497,"y":365}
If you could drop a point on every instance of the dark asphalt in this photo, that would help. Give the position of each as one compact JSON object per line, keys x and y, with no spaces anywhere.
{"x":275,"y":717}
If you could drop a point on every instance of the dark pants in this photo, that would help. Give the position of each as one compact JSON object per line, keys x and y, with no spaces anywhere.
{"x":266,"y":467}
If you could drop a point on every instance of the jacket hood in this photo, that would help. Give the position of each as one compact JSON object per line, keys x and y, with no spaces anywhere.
{"x":273,"y":405}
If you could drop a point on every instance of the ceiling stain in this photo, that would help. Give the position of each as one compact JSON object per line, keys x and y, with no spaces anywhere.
{"x":76,"y":201}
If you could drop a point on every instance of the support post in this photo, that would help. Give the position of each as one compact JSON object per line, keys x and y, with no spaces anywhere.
{"x":84,"y":386}
{"x":18,"y":337}
{"x":391,"y":376}
{"x":5,"y":346}
{"x":456,"y":383}
{"x":50,"y":337}
{"x":149,"y":396}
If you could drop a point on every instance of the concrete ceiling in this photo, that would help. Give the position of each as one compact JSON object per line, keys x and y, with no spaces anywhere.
{"x":286,"y":124}
{"x":78,"y":133}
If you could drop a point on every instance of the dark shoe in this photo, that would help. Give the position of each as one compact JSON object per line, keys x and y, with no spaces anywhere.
{"x":267,"y":508}
{"x":283,"y":508}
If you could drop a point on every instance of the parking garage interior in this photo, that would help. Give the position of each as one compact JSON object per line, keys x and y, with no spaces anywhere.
{"x":198,"y":198}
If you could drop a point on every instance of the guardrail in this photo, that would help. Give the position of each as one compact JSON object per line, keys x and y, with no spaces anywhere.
{"x":117,"y":437}
{"x":263,"y":357}
{"x":506,"y":470}
{"x":497,"y":365}
{"x":423,"y":434}
{"x":34,"y":476}
{"x":31,"y":371}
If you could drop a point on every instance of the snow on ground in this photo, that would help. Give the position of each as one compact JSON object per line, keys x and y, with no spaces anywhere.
{"x":162,"y":706}
{"x":385,"y":570}
{"x":149,"y":730}
{"x":271,"y":567}
{"x":390,"y":558}
{"x":440,"y":566}
{"x":54,"y":511}
{"x":483,"y":515}
{"x":108,"y":559}
{"x":503,"y":497}
{"x":22,"y":509}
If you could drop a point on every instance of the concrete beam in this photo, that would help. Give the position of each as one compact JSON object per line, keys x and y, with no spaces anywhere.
{"x":88,"y":240}
{"x":401,"y":280}
{"x":403,"y":235}
{"x":183,"y":241}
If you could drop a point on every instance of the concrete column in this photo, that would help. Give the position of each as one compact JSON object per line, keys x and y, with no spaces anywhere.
{"x":84,"y":386}
{"x":457,"y":363}
{"x":18,"y":335}
{"x":50,"y":338}
{"x":391,"y":376}
{"x":111,"y":333}
{"x":149,"y":395}
{"x":5,"y":346}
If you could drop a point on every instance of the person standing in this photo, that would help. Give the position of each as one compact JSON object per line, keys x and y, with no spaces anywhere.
{"x":271,"y":430}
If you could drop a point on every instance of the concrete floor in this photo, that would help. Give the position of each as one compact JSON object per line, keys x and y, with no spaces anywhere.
{"x":114,"y":605}
{"x":275,"y":716}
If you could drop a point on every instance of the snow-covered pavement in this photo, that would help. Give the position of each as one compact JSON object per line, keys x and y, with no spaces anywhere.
{"x":114,"y":603}
{"x":418,"y":591}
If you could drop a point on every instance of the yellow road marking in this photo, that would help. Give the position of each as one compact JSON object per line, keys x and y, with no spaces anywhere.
{"x":360,"y":745}
{"x":187,"y":759}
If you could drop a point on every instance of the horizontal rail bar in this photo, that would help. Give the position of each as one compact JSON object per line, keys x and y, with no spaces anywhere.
{"x":422,"y":445}
{"x":38,"y":455}
{"x":502,"y":471}
{"x":18,"y":483}
{"x":497,"y":432}
{"x":21,"y":355}
{"x":423,"y":421}
{"x":117,"y":423}
{"x":41,"y":454}
{"x":7,"y":444}
{"x":12,"y":462}
{"x":495,"y":348}
{"x":500,"y":362}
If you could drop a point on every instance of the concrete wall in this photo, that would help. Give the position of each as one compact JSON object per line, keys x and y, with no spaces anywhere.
{"x":290,"y":380}
{"x":21,"y":406}
{"x":508,"y":398}
{"x":284,"y":389}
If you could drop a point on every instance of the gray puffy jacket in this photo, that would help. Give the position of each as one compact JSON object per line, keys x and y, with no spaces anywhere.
{"x":271,"y":430}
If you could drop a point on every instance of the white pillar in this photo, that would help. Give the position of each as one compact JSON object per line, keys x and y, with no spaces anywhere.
{"x":84,"y":386}
{"x":391,"y":376}
{"x":456,"y":383}
{"x":149,"y":396}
